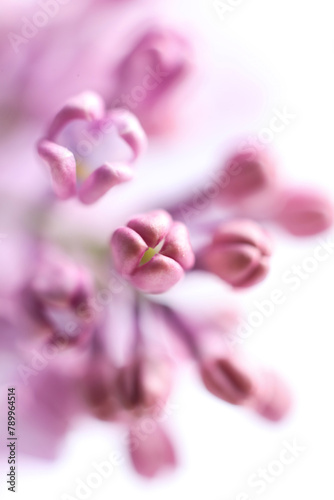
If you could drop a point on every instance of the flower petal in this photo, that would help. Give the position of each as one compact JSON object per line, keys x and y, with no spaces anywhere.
{"x":102,"y":179}
{"x":158,"y":275}
{"x":62,"y":166}
{"x":152,"y":226}
{"x":129,"y":129}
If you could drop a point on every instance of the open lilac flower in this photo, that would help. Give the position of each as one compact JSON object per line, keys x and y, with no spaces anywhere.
{"x":304,"y":213}
{"x":50,"y":296}
{"x":67,"y":166}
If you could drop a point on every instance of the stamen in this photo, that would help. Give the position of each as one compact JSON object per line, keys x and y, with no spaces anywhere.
{"x":151,"y":252}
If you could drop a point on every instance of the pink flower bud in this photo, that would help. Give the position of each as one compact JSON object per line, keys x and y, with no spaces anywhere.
{"x":59,"y":282}
{"x":246,"y":174}
{"x":144,"y":383}
{"x":150,"y":75}
{"x":151,"y":452}
{"x":152,"y":251}
{"x":98,"y":388}
{"x":228,"y":379}
{"x":52,"y":294}
{"x":273,"y":398}
{"x":304,"y":213}
{"x":64,"y":162}
{"x":232,"y":379}
{"x":238,"y":253}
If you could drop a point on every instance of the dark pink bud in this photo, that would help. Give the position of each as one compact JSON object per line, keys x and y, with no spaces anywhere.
{"x":152,"y":251}
{"x":305,"y":213}
{"x":59,"y":282}
{"x":238,"y":253}
{"x":228,"y":379}
{"x":151,"y":453}
{"x":98,"y":388}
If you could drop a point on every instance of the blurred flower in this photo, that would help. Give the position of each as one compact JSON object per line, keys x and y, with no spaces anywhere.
{"x":245,"y":174}
{"x":51,"y":296}
{"x":153,"y":454}
{"x":304,"y":212}
{"x":231,"y":379}
{"x":67,"y":166}
{"x":227,"y":379}
{"x":149,"y":78}
{"x":144,"y":382}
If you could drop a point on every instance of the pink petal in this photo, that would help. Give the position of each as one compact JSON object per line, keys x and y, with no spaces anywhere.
{"x":102,"y":179}
{"x":127,"y":249}
{"x":177,"y":246}
{"x":158,"y":275}
{"x":129,"y":129}
{"x":152,"y":227}
{"x":62,"y":165}
{"x":85,"y":106}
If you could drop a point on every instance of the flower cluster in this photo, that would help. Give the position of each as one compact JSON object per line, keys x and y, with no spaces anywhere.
{"x":88,"y":299}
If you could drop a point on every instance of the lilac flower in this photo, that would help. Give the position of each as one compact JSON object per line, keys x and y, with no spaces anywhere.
{"x":65,"y":165}
{"x":152,"y":251}
{"x":51,"y":295}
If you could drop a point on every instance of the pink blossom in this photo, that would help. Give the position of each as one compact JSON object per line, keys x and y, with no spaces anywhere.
{"x":152,"y":251}
{"x":64,"y":163}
